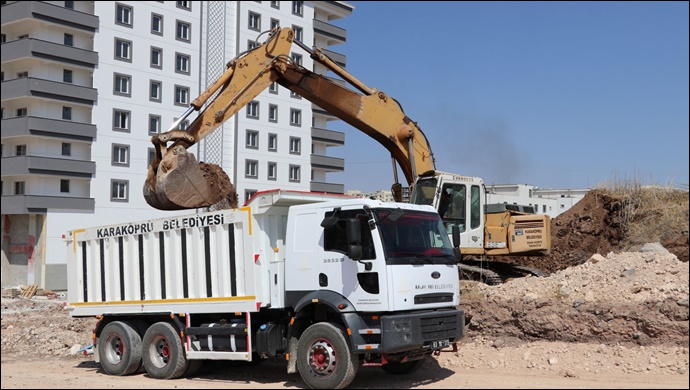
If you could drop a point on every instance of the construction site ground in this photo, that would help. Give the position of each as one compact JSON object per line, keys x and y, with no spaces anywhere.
{"x":613,"y":313}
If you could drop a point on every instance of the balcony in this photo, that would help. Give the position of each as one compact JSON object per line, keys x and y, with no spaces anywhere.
{"x":332,"y":188}
{"x":332,"y":164}
{"x":41,"y":10}
{"x":39,"y":204}
{"x":338,"y":58}
{"x":334,"y":34}
{"x":37,"y":48}
{"x":45,"y":127}
{"x":37,"y":165}
{"x":34,"y":87}
{"x":326,"y":136}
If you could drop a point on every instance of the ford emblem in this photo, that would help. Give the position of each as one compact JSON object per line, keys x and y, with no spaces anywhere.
{"x":435,"y":274}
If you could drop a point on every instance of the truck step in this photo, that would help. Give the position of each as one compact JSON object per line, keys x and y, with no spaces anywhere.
{"x":370,"y":331}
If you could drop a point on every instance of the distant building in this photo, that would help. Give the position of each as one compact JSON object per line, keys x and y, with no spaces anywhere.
{"x":86,"y":84}
{"x":551,"y":202}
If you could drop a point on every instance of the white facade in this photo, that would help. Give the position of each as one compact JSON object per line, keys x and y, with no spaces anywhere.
{"x":151,"y":60}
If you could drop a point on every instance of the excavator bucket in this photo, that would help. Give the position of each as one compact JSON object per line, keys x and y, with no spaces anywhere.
{"x":180,"y":182}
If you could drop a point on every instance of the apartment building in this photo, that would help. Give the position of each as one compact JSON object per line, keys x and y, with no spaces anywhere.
{"x":86,"y":84}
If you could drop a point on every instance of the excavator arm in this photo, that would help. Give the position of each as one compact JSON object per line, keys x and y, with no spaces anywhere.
{"x":176,"y":180}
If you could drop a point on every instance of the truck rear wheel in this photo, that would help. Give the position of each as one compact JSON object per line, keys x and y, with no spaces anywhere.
{"x":398,"y":368}
{"x":119,"y":349}
{"x":163,"y":355}
{"x":324,"y":358}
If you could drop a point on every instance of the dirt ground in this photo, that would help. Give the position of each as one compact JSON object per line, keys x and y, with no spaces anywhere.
{"x":605,"y":317}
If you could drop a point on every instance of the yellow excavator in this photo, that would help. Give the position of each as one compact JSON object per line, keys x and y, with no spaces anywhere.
{"x":176,"y":180}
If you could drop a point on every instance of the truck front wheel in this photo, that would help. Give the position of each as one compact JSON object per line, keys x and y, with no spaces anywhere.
{"x":164,"y":357}
{"x":119,"y":349}
{"x":324,"y":358}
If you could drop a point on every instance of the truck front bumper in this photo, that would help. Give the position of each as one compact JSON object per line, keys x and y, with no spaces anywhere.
{"x":430,"y":330}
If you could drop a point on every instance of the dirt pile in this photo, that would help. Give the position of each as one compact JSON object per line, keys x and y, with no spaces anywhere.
{"x":605,"y":221}
{"x":219,"y":183}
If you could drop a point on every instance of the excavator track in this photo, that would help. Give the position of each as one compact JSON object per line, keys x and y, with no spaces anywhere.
{"x":469,"y":272}
{"x":494,"y":272}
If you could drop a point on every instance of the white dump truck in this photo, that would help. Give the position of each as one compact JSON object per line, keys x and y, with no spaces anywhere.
{"x":329,"y":281}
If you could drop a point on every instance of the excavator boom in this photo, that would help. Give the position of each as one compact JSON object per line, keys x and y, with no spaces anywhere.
{"x":176,"y":180}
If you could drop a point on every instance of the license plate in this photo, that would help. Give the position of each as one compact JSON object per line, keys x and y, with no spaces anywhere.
{"x":440,"y":344}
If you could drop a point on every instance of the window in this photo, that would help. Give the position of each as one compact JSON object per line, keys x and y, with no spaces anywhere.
{"x":181,"y":95}
{"x":273,"y":88}
{"x":299,"y":34}
{"x":297,"y":8}
{"x":184,"y":32}
{"x":3,"y":38}
{"x":182,"y":62}
{"x":273,"y":113}
{"x":66,"y":76}
{"x":151,"y":156}
{"x":19,"y":187}
{"x":275,"y":23}
{"x":157,"y":24}
{"x":123,"y":15}
{"x":295,"y":145}
{"x":183,"y":125}
{"x":21,"y":111}
{"x":121,"y":120}
{"x":251,"y":169}
{"x":475,"y":207}
{"x":296,"y":59}
{"x":21,"y":75}
{"x":64,"y":185}
{"x":295,"y":117}
{"x":186,"y":5}
{"x":68,"y":40}
{"x":294,"y":173}
{"x":272,"y":142}
{"x":66,"y":149}
{"x":20,"y":150}
{"x":252,"y":44}
{"x":248,"y":194}
{"x":253,"y":110}
{"x":155,"y":91}
{"x":122,"y":84}
{"x":156,"y":57}
{"x":275,"y":4}
{"x":272,"y":171}
{"x":543,"y":208}
{"x":69,"y":4}
{"x":119,"y":190}
{"x":123,"y":50}
{"x":254,"y":21}
{"x":67,"y":113}
{"x":120,"y":155}
{"x":335,"y":237}
{"x":154,"y":124}
{"x":252,"y":139}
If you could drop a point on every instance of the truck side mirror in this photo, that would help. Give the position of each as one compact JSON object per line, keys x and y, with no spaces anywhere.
{"x":455,"y":232}
{"x":353,"y":229}
{"x":354,"y":251}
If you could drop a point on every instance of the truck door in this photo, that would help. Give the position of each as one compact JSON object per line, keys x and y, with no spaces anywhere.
{"x":364,"y":288}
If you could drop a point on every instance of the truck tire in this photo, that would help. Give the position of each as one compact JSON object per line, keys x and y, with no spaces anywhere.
{"x":324,"y":358}
{"x":398,"y":368}
{"x":119,"y":349}
{"x":163,"y":354}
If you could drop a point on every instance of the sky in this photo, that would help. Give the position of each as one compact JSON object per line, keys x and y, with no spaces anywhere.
{"x":551,"y":94}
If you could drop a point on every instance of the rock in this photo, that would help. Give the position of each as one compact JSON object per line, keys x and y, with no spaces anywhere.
{"x":654,"y":247}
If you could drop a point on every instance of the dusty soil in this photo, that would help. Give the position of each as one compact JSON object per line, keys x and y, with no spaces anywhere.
{"x":220,"y":183}
{"x":604,"y":318}
{"x":603,"y":222}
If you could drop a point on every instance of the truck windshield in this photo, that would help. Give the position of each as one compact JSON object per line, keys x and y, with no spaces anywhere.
{"x":414,"y":238}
